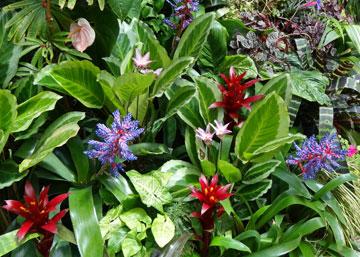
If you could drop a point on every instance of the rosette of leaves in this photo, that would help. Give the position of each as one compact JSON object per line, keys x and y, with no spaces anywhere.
{"x":334,"y":9}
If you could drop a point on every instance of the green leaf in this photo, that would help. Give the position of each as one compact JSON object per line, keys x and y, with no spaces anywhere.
{"x":194,"y":37}
{"x":303,"y":229}
{"x":294,"y":181}
{"x":229,"y":171}
{"x":33,"y":129}
{"x":281,"y":85}
{"x":190,"y":114}
{"x":9,"y":54}
{"x":76,"y":78}
{"x":215,"y":48}
{"x":254,"y":191}
{"x":163,"y":230}
{"x":33,"y":108}
{"x":241,"y":63}
{"x":260,"y":171}
{"x":85,"y":222}
{"x":9,"y":241}
{"x":119,"y":187}
{"x":170,"y":74}
{"x":208,"y":167}
{"x":9,"y":174}
{"x":353,"y":31}
{"x":207,"y":95}
{"x":158,"y":53}
{"x":57,"y":134}
{"x":278,"y":249}
{"x":229,"y":243}
{"x":136,"y":219}
{"x":131,"y":85}
{"x":143,"y":149}
{"x":80,"y":160}
{"x":7,"y":115}
{"x":151,"y":192}
{"x":334,"y":183}
{"x":130,"y":247}
{"x":268,"y":120}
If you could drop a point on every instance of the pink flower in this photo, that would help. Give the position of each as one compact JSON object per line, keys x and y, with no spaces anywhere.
{"x":352,"y":151}
{"x":82,"y":34}
{"x":221,"y":129}
{"x":205,"y":135}
{"x":158,"y":71}
{"x":141,"y":61}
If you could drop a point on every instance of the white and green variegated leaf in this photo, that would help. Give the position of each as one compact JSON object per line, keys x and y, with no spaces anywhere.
{"x":260,"y":171}
{"x":10,"y":241}
{"x":254,"y":191}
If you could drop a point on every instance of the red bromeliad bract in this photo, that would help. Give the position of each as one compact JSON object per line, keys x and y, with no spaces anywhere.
{"x":234,"y":94}
{"x":36,"y":213}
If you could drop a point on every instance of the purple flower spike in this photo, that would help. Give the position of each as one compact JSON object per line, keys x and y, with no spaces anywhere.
{"x":182,"y":16}
{"x":314,"y":156}
{"x":114,"y":149}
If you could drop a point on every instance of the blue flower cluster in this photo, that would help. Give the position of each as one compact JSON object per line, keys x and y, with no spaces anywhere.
{"x":314,"y":156}
{"x":182,"y":13}
{"x":115,"y":149}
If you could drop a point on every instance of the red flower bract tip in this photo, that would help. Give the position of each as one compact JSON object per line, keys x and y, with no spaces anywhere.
{"x":234,"y":94}
{"x":36,"y":211}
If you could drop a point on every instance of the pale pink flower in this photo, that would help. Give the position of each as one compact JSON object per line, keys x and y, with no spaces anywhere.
{"x":82,"y":34}
{"x":221,"y":129}
{"x":205,"y":135}
{"x":352,"y":151}
{"x":141,"y":61}
{"x":158,"y":71}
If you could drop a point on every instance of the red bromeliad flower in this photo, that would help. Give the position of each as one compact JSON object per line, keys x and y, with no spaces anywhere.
{"x":210,"y":194}
{"x":234,"y":94}
{"x":36,"y":213}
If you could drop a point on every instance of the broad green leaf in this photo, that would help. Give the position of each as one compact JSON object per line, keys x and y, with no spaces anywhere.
{"x":9,"y":54}
{"x":107,"y":81}
{"x":254,"y":191}
{"x":268,"y":120}
{"x":215,"y":48}
{"x":279,"y":249}
{"x":208,"y":168}
{"x":9,"y":174}
{"x":126,"y":8}
{"x":136,"y":219}
{"x":65,"y":234}
{"x":194,"y":37}
{"x":143,"y":149}
{"x":80,"y":160}
{"x":57,"y":134}
{"x":260,"y":171}
{"x":163,"y":230}
{"x":151,"y":192}
{"x":9,"y":241}
{"x":229,"y":243}
{"x":33,"y":108}
{"x":281,"y":85}
{"x":241,"y":63}
{"x":190,"y":114}
{"x":175,"y":248}
{"x":76,"y":78}
{"x":119,"y":187}
{"x":33,"y":129}
{"x":7,"y":115}
{"x":158,"y":53}
{"x":191,"y":149}
{"x":334,"y":183}
{"x":229,"y":171}
{"x":131,"y":85}
{"x":208,"y":94}
{"x":353,"y":31}
{"x":85,"y":222}
{"x":170,"y":74}
{"x":294,"y":181}
{"x":303,"y":229}
{"x":130,"y":247}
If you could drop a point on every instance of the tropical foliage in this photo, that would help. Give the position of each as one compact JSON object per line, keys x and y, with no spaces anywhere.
{"x":179,"y":128}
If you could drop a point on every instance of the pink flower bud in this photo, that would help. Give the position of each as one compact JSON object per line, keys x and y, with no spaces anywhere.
{"x":82,"y":34}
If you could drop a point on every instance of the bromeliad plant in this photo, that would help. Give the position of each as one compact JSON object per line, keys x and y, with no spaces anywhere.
{"x":122,"y":111}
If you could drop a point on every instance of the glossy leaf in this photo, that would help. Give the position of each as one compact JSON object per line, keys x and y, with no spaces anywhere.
{"x":136,"y":219}
{"x":80,"y":160}
{"x":208,"y":168}
{"x":76,"y":78}
{"x":229,"y":243}
{"x":9,"y":241}
{"x":194,"y":37}
{"x":7,"y":115}
{"x":126,"y":8}
{"x":229,"y":171}
{"x":170,"y":74}
{"x":119,"y":187}
{"x":278,"y":249}
{"x":85,"y":222}
{"x":9,"y":174}
{"x":163,"y":230}
{"x":254,"y":191}
{"x":33,"y":108}
{"x":268,"y":120}
{"x":143,"y":149}
{"x":260,"y":171}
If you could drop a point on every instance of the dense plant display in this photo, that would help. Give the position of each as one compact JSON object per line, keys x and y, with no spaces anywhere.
{"x":179,"y":128}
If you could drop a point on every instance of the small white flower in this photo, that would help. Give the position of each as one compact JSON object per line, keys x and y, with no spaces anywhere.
{"x":82,"y":34}
{"x":221,"y":129}
{"x":205,"y":135}
{"x":141,"y":61}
